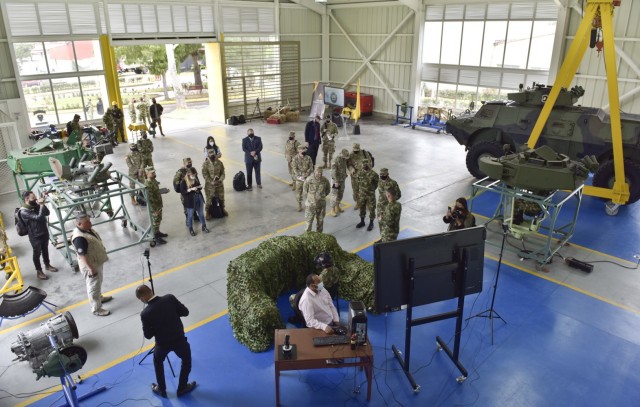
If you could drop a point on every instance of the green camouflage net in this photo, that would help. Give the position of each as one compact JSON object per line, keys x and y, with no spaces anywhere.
{"x":256,"y":278}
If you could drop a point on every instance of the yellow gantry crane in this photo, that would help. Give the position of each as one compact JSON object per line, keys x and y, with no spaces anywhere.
{"x":9,"y":263}
{"x":598,"y":14}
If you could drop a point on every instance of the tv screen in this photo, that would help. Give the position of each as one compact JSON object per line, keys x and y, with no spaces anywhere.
{"x":436,"y":258}
{"x":333,"y":96}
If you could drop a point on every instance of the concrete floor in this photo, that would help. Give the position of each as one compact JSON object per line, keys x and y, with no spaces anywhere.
{"x":429,"y":167}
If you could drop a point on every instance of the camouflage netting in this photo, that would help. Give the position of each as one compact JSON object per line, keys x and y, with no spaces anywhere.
{"x":256,"y":278}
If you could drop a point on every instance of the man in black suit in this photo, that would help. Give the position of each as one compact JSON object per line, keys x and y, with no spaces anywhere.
{"x":161,"y":319}
{"x":313,"y":136}
{"x":252,"y":146}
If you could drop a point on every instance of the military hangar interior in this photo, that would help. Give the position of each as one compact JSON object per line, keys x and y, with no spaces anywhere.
{"x":557,"y":335}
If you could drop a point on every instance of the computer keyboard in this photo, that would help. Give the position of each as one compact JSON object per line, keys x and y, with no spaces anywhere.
{"x":330,"y":340}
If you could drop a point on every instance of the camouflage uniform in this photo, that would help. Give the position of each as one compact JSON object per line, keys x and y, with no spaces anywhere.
{"x":330,"y":276}
{"x":155,"y":203}
{"x":329,"y":132}
{"x":390,"y":221}
{"x":177,"y":179}
{"x":339,"y":176}
{"x":290,"y":151}
{"x":108,"y":120}
{"x":315,"y":191}
{"x":302,"y":167}
{"x":354,"y":164}
{"x":143,"y":114}
{"x":132,"y":110}
{"x":75,"y":126}
{"x":136,"y":169}
{"x":383,"y":186}
{"x":211,"y":170}
{"x":118,"y":121}
{"x":146,"y":148}
{"x":367,"y":184}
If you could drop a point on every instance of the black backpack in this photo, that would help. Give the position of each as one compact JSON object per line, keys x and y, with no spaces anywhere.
{"x":239,"y":182}
{"x":368,"y":154}
{"x":233,"y":120}
{"x":242,"y":119}
{"x":21,"y":226}
{"x":215,"y":210}
{"x":176,"y":185}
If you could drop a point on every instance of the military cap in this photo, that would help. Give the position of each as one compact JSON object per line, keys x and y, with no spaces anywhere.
{"x":292,"y":133}
{"x":365,"y":160}
{"x":384,"y":171}
{"x":356,"y":147}
{"x":149,"y":169}
{"x":301,"y":147}
{"x":133,"y":146}
{"x":211,"y":153}
{"x":305,"y":144}
{"x":345,"y":152}
{"x":186,"y":160}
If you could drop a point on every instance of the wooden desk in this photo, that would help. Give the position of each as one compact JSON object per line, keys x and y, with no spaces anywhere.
{"x":315,"y":357}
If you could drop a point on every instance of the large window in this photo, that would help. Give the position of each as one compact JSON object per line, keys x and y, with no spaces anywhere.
{"x":61,"y":79}
{"x":479,"y":52}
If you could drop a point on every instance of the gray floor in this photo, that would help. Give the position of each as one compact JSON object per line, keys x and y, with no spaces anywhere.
{"x":429,"y":167}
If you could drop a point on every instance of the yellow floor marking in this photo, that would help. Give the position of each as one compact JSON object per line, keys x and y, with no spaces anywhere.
{"x":123,"y":358}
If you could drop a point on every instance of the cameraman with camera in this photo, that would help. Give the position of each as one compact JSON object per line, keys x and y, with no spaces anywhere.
{"x":459,"y":217}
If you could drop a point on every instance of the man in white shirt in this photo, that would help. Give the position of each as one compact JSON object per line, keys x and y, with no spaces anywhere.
{"x":317,"y":307}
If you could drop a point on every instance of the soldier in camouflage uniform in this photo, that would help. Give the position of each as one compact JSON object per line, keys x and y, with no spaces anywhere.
{"x":146,"y":148}
{"x":118,"y":121}
{"x":385,"y":184}
{"x":302,"y":167}
{"x":338,"y":178}
{"x":132,"y":110}
{"x":329,"y":132}
{"x":213,"y":173}
{"x":354,"y":165}
{"x":136,"y":169}
{"x":155,"y":205}
{"x":390,"y":219}
{"x":177,"y":179}
{"x":143,"y":114}
{"x":315,"y":190}
{"x":367,"y":184}
{"x":290,"y":151}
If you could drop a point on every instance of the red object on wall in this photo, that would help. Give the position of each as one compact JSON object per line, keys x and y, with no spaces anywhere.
{"x":366,"y":102}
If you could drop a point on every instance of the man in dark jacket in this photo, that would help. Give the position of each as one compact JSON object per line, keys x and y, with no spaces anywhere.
{"x":155,"y":111}
{"x":313,"y":137}
{"x":34,"y":213}
{"x":161,"y":319}
{"x":252,"y":146}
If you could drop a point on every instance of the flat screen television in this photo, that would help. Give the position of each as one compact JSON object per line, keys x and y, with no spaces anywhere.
{"x":436,"y":258}
{"x":333,"y":96}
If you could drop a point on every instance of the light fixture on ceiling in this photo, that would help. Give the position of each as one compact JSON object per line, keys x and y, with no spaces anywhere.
{"x":321,"y":1}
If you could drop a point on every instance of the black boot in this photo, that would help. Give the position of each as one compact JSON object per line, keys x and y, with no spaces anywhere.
{"x":192,"y":232}
{"x":162,"y":234}
{"x":370,"y":227}
{"x":159,"y":239}
{"x":204,"y":229}
{"x":361,"y":224}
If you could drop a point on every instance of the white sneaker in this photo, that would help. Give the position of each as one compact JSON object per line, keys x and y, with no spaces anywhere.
{"x":101,"y":312}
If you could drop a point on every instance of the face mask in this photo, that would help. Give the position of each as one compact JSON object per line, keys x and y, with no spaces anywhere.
{"x":384,"y":177}
{"x":320,"y":287}
{"x":251,"y":135}
{"x":304,"y":153}
{"x":366,"y":168}
{"x":189,"y":165}
{"x":33,"y":202}
{"x":211,"y":143}
{"x":291,"y":138}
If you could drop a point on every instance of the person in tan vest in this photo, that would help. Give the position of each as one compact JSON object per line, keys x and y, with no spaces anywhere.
{"x":91,"y":257}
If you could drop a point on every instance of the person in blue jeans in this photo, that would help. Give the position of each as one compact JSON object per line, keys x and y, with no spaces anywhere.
{"x":252,"y":146}
{"x":193,"y":200}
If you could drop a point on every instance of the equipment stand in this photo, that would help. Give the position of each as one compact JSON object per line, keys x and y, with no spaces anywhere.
{"x":459,"y":276}
{"x":256,"y":108}
{"x":491,"y":313}
{"x":153,"y":290}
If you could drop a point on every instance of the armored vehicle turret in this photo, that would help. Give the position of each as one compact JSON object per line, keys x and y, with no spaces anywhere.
{"x":573,"y":130}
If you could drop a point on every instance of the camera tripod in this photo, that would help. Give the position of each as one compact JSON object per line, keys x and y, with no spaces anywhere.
{"x":256,"y":108}
{"x":491,"y":313}
{"x":146,"y":254}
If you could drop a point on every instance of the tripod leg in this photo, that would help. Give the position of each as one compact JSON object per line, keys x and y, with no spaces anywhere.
{"x":171,"y":366}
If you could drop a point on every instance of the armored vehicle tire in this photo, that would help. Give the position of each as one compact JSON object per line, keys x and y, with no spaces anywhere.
{"x":479,"y":150}
{"x":605,"y":176}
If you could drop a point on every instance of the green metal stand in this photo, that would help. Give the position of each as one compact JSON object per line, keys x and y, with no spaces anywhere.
{"x":544,"y":234}
{"x":66,"y":200}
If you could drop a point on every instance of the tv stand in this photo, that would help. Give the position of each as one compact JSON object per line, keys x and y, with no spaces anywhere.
{"x":459,"y":273}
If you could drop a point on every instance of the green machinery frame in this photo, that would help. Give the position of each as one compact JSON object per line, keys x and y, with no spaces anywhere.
{"x":66,"y":201}
{"x":546,"y":235}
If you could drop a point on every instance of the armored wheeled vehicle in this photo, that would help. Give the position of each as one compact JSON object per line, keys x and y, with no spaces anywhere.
{"x":571,"y":129}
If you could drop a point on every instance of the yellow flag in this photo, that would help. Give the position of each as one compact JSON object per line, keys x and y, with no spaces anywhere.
{"x":355,"y":115}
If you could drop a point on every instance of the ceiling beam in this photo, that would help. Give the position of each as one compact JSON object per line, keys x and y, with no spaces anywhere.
{"x":412,"y":4}
{"x":312,"y":5}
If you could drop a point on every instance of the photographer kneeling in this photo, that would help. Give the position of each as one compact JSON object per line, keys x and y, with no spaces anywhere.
{"x":459,"y":217}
